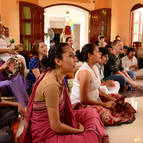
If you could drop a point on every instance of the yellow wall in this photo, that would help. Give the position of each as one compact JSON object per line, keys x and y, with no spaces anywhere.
{"x":0,"y":7}
{"x":10,"y":16}
{"x":87,"y":5}
{"x":120,"y":23}
{"x":102,"y":4}
{"x":31,"y":1}
{"x":120,"y":19}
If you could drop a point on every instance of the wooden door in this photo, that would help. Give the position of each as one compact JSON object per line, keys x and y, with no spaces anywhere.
{"x":100,"y":24}
{"x":31,"y":24}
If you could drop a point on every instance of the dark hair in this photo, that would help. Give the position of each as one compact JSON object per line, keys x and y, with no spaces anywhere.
{"x":114,"y":43}
{"x":130,"y":49}
{"x":103,"y":51}
{"x":35,"y":47}
{"x":101,"y":37}
{"x":68,"y":38}
{"x":117,"y":36}
{"x":54,"y":52}
{"x":125,"y":47}
{"x":108,"y":46}
{"x":77,"y":52}
{"x":6,"y":28}
{"x":86,"y":49}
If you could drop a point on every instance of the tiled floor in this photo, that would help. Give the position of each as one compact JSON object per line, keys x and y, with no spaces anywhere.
{"x":129,"y":133}
{"x":140,"y":83}
{"x":137,"y":93}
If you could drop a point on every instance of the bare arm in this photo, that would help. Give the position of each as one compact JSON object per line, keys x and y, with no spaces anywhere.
{"x":5,"y":103}
{"x":126,"y":75}
{"x":84,"y":80}
{"x":106,"y":96}
{"x":52,"y":101}
{"x":36,"y":72}
{"x":128,"y":79}
{"x":58,"y":126}
{"x":21,"y":109}
{"x":134,"y":67}
{"x":7,"y":50}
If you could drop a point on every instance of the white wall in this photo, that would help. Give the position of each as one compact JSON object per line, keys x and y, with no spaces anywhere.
{"x":76,"y":38}
{"x":79,"y":16}
{"x":57,"y":24}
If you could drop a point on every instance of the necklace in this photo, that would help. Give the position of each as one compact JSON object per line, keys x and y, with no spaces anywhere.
{"x":60,"y":82}
{"x":57,"y":79}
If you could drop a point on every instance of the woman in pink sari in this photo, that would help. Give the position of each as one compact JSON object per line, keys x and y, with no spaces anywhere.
{"x":50,"y":118}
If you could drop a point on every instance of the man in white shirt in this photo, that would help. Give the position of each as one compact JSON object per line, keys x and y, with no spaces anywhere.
{"x":130,"y":63}
{"x":5,"y":52}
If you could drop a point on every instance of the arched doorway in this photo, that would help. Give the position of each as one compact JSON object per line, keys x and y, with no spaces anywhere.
{"x":56,"y":18}
{"x":88,"y":24}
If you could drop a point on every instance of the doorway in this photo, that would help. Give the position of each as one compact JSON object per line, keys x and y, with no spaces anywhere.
{"x":50,"y":23}
{"x":56,"y":18}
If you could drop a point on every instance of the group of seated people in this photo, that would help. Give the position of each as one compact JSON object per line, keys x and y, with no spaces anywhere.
{"x":13,"y":69}
{"x":12,"y":84}
{"x":52,"y":113}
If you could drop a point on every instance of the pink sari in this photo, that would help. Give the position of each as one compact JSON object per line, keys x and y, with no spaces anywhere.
{"x":37,"y":129}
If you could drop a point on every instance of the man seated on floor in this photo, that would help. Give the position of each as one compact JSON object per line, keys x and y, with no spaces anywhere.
{"x":108,"y":86}
{"x":113,"y":70}
{"x":123,"y":52}
{"x":130,"y":63}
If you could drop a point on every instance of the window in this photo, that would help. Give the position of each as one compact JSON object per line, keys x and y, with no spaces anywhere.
{"x":137,"y":25}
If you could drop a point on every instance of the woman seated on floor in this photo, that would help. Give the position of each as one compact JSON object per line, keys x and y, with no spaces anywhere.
{"x":12,"y":83}
{"x":50,"y":118}
{"x":86,"y":90}
{"x":9,"y":113}
{"x":39,"y":50}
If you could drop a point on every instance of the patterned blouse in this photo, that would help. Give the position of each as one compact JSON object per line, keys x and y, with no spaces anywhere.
{"x":33,"y":64}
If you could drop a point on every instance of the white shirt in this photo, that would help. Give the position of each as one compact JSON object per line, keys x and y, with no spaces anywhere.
{"x":95,"y":82}
{"x":126,"y":62}
{"x":3,"y":45}
{"x":101,"y":70}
